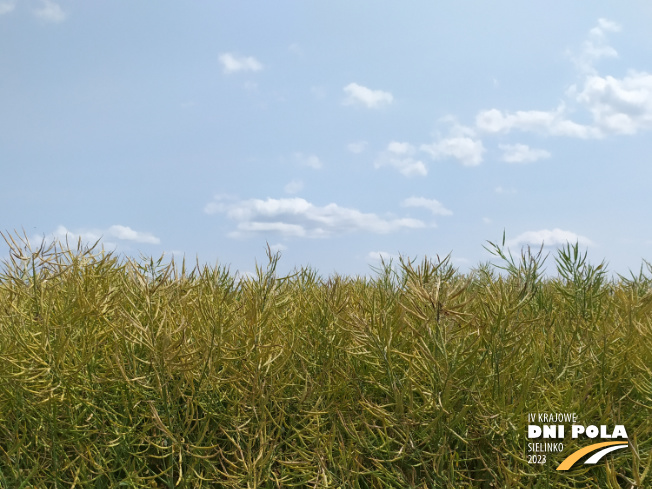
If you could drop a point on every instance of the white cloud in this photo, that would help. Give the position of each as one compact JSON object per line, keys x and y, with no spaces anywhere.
{"x":214,"y":207}
{"x":555,"y":237}
{"x":310,"y":161}
{"x":278,"y":247}
{"x":605,"y":25}
{"x":232,"y":63}
{"x":293,"y":187}
{"x":90,"y":236}
{"x":128,"y":234}
{"x":596,"y":46}
{"x":400,"y":156}
{"x":289,"y":230}
{"x":357,"y":147}
{"x":300,"y":218}
{"x":522,"y":153}
{"x":466,"y":150}
{"x":6,"y":7}
{"x":400,"y":148}
{"x":432,"y":205}
{"x":501,"y":190}
{"x":372,"y":99}
{"x":618,"y":106}
{"x":62,"y":234}
{"x":553,"y":122}
{"x":50,"y":12}
{"x":455,"y":128}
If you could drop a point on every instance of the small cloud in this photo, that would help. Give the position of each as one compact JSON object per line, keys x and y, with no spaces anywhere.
{"x":310,"y":161}
{"x":455,"y":128}
{"x":50,"y":12}
{"x":128,"y":234}
{"x":372,"y":99}
{"x":251,"y":86}
{"x":400,"y":156}
{"x":522,"y":153}
{"x":277,"y":248}
{"x":605,"y":25}
{"x":554,"y":237}
{"x":486,"y":220}
{"x":596,"y":46}
{"x":6,"y":7}
{"x":466,"y":150}
{"x":219,"y":203}
{"x":501,"y":190}
{"x":63,"y":235}
{"x":432,"y":205}
{"x":232,"y":63}
{"x":400,"y":148}
{"x":357,"y":147}
{"x":293,"y":187}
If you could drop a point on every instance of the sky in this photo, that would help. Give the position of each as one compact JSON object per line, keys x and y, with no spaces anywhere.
{"x":338,"y":133}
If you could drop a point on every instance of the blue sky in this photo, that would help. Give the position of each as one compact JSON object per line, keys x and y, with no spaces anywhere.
{"x":338,"y":132}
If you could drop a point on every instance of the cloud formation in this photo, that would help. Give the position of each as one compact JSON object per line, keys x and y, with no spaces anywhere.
{"x":296,"y":217}
{"x":552,"y":122}
{"x":311,"y":161}
{"x":618,"y":106}
{"x":596,"y":46}
{"x":106,"y":236}
{"x":293,"y":187}
{"x":50,"y":12}
{"x":372,"y":99}
{"x":357,"y":147}
{"x":464,"y":149}
{"x":232,"y":63}
{"x":554,"y":237}
{"x":401,"y":156}
{"x":128,"y":234}
{"x":434,"y":206}
{"x":522,"y":153}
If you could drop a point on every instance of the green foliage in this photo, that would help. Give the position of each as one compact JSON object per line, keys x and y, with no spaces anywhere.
{"x":144,"y":373}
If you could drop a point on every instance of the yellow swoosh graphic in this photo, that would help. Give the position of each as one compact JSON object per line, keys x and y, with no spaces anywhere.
{"x":575,"y":456}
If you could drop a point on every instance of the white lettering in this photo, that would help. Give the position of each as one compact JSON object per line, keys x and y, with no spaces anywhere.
{"x":603,"y":431}
{"x":533,"y":431}
{"x":577,"y":430}
{"x":592,"y":431}
{"x":619,"y":431}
